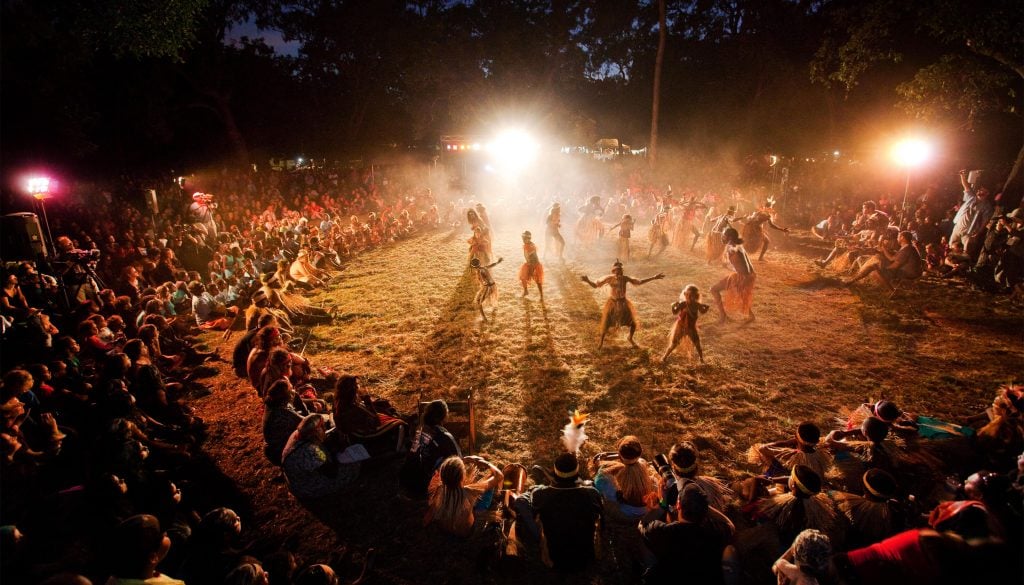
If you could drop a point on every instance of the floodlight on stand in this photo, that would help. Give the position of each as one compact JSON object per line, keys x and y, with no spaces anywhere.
{"x":911,"y":152}
{"x":39,"y":187}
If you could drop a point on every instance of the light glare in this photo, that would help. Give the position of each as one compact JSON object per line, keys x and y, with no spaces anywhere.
{"x":911,"y":152}
{"x":513,"y":150}
{"x":39,"y":185}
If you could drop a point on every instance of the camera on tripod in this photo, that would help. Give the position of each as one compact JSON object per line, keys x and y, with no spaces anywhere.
{"x":82,"y":256}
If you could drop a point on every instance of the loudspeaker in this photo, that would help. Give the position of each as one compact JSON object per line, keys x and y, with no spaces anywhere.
{"x":21,"y":238}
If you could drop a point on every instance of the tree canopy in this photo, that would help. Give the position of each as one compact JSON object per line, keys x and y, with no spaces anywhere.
{"x":119,"y":84}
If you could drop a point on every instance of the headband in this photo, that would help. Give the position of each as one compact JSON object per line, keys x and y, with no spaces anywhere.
{"x":567,"y":474}
{"x":874,"y":411}
{"x":682,"y":470}
{"x":626,"y":461}
{"x":800,"y":486}
{"x":870,"y":489}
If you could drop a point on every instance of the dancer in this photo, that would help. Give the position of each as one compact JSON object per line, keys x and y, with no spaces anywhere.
{"x":488,"y":293}
{"x":553,"y":224}
{"x":741,"y":282}
{"x":618,"y":310}
{"x":715,"y":239}
{"x":685,"y":224}
{"x":531,"y":269}
{"x":686,"y":310}
{"x":658,"y":235}
{"x":754,"y":236}
{"x":479,"y":246}
{"x":625,"y":230}
{"x":589,"y":227}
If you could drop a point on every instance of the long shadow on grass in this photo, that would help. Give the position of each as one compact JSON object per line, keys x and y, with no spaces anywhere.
{"x":614,"y":365}
{"x":546,"y":384}
{"x":444,"y":370}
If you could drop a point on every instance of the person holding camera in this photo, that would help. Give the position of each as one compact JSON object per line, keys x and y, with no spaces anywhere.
{"x":972,"y":216}
{"x":688,"y":548}
{"x":201,"y":212}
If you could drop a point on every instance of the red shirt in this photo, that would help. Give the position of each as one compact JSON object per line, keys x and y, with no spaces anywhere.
{"x":897,"y":560}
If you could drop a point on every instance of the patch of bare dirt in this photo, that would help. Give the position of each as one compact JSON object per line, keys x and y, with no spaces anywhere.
{"x":408,"y":326}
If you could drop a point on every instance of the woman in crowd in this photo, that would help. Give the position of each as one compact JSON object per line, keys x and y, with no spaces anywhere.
{"x":626,"y":480}
{"x":457,"y":494}
{"x":357,"y":417}
{"x":280,"y":419}
{"x":312,"y":470}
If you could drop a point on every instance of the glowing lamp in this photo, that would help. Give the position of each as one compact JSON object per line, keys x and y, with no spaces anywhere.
{"x":513,"y":150}
{"x":911,"y":152}
{"x":39,"y":187}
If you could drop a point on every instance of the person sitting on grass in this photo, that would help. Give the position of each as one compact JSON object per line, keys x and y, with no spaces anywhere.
{"x":561,"y":517}
{"x":312,"y":470}
{"x":456,"y":494}
{"x":691,"y":542}
{"x":431,"y":445}
{"x":905,"y":264}
{"x":360,"y":420}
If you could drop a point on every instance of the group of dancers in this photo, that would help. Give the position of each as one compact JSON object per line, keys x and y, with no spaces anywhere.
{"x":723,"y":240}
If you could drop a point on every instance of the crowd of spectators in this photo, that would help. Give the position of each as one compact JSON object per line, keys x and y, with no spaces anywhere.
{"x":974,"y":236}
{"x":101,"y":449}
{"x":103,"y":473}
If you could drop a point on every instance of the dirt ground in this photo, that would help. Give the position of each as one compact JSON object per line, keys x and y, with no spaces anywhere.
{"x":407,"y":325}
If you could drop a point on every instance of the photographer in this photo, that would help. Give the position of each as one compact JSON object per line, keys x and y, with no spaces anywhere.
{"x":79,"y":271}
{"x":201,"y":212}
{"x":972,"y":216}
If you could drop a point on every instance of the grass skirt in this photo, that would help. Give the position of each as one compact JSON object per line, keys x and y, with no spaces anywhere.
{"x":487,"y":296}
{"x":534,"y":272}
{"x":618,"y":313}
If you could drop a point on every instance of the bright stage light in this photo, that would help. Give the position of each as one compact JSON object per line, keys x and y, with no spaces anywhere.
{"x":513,"y":151}
{"x":39,"y":187}
{"x":911,"y":152}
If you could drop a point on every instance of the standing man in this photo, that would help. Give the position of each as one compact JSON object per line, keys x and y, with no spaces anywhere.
{"x":201,"y":212}
{"x":970,"y":220}
{"x":618,"y":310}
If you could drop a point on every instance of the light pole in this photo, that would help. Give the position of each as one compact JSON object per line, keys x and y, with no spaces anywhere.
{"x":910,"y":153}
{"x":39,"y":188}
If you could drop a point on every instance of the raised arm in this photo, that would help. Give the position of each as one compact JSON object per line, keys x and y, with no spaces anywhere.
{"x":772,"y":224}
{"x":657,"y":276}
{"x":593,"y":284}
{"x":492,"y":265}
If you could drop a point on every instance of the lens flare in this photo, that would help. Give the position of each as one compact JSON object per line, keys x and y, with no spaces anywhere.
{"x":911,"y":152}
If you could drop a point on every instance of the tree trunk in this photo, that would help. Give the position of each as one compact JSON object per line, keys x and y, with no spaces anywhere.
{"x":234,"y":135}
{"x":1012,"y":187}
{"x":652,"y":152}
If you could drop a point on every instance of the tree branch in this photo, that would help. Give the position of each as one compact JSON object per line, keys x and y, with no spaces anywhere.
{"x":998,"y":56}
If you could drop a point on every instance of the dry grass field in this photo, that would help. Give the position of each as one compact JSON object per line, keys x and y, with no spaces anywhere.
{"x":407,"y":325}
